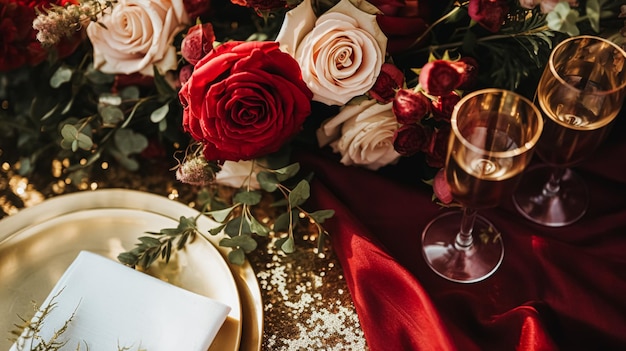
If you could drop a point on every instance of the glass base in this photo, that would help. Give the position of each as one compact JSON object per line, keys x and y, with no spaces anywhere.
{"x":565,"y":207}
{"x":462,"y":265}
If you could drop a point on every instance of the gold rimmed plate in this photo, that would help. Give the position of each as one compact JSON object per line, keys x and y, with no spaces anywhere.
{"x":38,"y":244}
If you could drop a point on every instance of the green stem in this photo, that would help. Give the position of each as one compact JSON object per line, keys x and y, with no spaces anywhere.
{"x":437,"y":22}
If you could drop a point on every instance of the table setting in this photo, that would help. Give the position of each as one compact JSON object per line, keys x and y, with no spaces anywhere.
{"x":312,"y":175}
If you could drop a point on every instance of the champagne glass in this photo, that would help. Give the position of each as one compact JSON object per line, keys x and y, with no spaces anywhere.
{"x":580,"y":93}
{"x":493,"y":135}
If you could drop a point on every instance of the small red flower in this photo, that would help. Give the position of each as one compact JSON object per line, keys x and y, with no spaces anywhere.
{"x":438,"y":147}
{"x":389,"y":80}
{"x":440,"y":77}
{"x":442,"y":106}
{"x":490,"y":14}
{"x":410,"y":139}
{"x":197,"y":43}
{"x":410,"y":106}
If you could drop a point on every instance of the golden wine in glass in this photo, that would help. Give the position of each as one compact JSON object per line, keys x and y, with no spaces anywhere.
{"x":494,"y":132}
{"x":580,"y":93}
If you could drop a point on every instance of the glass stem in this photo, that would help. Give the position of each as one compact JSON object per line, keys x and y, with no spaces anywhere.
{"x":464,"y":240}
{"x":552,"y":187}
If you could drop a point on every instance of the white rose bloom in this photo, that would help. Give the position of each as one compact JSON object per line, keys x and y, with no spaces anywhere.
{"x":235,"y":175}
{"x":138,"y":35}
{"x":362,"y":134}
{"x":340,"y":53}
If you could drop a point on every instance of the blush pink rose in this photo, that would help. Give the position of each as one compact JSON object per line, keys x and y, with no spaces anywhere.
{"x":244,"y":100}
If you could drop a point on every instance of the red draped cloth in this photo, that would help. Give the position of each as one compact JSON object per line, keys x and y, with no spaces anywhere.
{"x":557,"y":288}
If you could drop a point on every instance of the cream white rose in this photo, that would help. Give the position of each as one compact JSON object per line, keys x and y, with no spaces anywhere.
{"x":362,"y":134}
{"x":340,"y":53}
{"x":138,"y":35}
{"x":236,"y":174}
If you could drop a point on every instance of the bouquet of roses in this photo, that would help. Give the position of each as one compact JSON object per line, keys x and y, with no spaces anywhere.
{"x":231,"y":84}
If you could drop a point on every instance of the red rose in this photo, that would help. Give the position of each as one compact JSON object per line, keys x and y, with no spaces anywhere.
{"x":244,"y":100}
{"x":438,"y":147}
{"x":443,"y":106}
{"x":488,"y":13}
{"x":410,"y":139}
{"x":389,"y":79}
{"x":410,"y":106}
{"x":197,"y":43}
{"x":440,"y":77}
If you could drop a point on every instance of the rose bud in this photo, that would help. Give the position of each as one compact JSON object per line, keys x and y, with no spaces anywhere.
{"x":410,"y":106}
{"x":439,"y":77}
{"x":441,"y":188}
{"x":438,"y":147}
{"x":468,"y":67}
{"x":197,"y":43}
{"x":389,"y":80}
{"x":185,"y":73}
{"x":410,"y":139}
{"x":490,"y":14}
{"x":442,"y":106}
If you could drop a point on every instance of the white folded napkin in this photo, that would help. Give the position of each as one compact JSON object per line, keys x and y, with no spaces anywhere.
{"x":116,"y":307}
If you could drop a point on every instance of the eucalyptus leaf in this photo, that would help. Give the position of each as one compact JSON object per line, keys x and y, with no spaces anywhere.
{"x":299,"y":194}
{"x":237,"y":256}
{"x":220,"y":215}
{"x":98,"y":77}
{"x":83,"y":141}
{"x":130,"y":93}
{"x":216,"y":230}
{"x":287,"y":172}
{"x":111,"y":115}
{"x":258,"y":227}
{"x":250,"y":198}
{"x":237,"y":227}
{"x":159,"y":114}
{"x":268,"y":181}
{"x":245,"y":242}
{"x":593,"y":13}
{"x":69,"y":132}
{"x":289,"y":245}
{"x":322,"y":215}
{"x":281,"y":224}
{"x":128,"y":142}
{"x":63,"y":74}
{"x":110,"y":99}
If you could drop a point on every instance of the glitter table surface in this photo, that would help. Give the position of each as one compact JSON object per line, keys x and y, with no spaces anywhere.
{"x":307,"y":305}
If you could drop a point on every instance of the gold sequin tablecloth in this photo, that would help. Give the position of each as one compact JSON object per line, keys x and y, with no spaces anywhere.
{"x":306,"y":303}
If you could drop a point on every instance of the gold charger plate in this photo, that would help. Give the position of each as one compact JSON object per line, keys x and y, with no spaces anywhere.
{"x":38,"y":244}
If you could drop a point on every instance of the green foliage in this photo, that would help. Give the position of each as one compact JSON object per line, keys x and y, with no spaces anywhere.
{"x":68,"y":110}
{"x":237,"y":221}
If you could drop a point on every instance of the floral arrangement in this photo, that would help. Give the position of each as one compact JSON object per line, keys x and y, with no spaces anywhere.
{"x":233,"y":84}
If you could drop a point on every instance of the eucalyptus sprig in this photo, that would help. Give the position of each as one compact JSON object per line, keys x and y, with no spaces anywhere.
{"x":237,"y":220}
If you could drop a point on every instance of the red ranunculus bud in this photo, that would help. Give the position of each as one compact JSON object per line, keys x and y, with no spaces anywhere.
{"x":389,"y":80}
{"x":439,"y":77}
{"x":410,"y":139}
{"x":441,"y":188}
{"x":438,"y":147}
{"x":443,"y":105}
{"x":410,"y":106}
{"x":197,"y":43}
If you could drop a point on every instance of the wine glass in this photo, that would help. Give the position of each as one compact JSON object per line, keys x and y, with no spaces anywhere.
{"x":493,"y":135}
{"x":580,"y":93}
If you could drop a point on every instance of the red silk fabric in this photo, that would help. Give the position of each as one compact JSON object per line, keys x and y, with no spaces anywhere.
{"x":557,"y":288}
